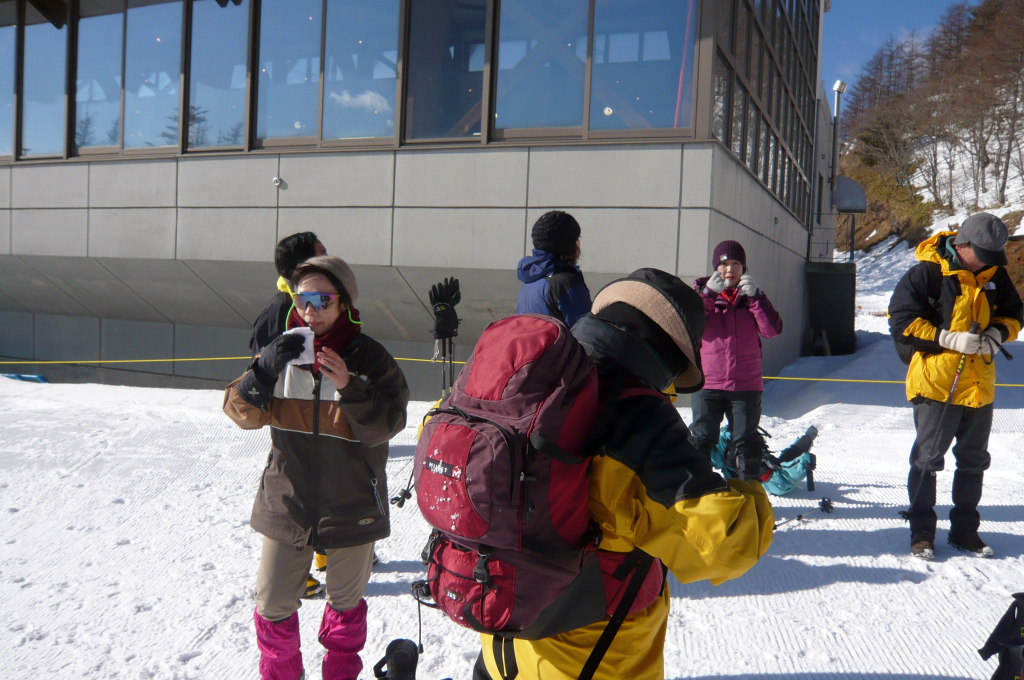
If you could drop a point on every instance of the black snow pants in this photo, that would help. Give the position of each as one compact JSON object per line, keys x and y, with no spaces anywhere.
{"x":970,"y":427}
{"x":742,"y":409}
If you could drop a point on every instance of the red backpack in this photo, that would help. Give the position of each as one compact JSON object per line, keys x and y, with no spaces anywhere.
{"x":501,"y":475}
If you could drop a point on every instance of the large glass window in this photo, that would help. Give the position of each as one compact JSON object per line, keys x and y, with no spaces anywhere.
{"x":445,"y":67}
{"x":98,"y":77}
{"x":542,"y":52}
{"x":643,"y":62}
{"x":42,"y":130}
{"x":220,"y":45}
{"x":360,"y":69}
{"x":289,"y":68}
{"x":152,"y":73}
{"x":8,"y":41}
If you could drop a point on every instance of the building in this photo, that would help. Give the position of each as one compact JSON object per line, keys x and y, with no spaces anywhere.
{"x":153,"y":152}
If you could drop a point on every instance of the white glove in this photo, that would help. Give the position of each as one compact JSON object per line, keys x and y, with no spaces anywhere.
{"x":716,"y":283}
{"x":990,"y":341}
{"x":748,"y":286}
{"x":960,"y":341}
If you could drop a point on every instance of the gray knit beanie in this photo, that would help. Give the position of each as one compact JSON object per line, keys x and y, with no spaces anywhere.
{"x":334,"y":268}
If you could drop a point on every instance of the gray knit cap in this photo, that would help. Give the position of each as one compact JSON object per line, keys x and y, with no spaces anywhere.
{"x":336,"y":267}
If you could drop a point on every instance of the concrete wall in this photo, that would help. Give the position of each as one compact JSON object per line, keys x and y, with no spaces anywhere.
{"x":131,"y":259}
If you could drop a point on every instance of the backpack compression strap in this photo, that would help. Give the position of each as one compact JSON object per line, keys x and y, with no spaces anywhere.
{"x":640,"y":562}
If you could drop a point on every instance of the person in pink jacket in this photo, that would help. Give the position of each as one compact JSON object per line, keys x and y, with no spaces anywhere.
{"x":738,"y":316}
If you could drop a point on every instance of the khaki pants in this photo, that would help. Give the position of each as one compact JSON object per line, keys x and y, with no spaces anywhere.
{"x":281,"y":580}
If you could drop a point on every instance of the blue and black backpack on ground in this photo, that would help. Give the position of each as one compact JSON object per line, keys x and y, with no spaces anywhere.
{"x":782,"y":473}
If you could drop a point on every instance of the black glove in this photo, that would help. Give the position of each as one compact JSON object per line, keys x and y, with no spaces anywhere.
{"x":443,"y":298}
{"x":276,"y":355}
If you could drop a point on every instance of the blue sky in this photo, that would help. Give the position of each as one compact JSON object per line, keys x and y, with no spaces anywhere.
{"x":854,"y":29}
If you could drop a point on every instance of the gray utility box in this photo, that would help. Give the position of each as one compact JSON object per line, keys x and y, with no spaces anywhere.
{"x":831,"y":307}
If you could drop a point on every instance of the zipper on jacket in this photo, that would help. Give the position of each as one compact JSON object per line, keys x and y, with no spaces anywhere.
{"x":314,"y":467}
{"x":376,"y":493}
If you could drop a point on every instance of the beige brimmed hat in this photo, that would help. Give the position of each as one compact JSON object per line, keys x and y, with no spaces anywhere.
{"x":672,"y":305}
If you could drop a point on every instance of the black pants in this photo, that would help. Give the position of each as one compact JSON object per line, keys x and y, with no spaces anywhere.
{"x":970,"y":427}
{"x":741,"y":409}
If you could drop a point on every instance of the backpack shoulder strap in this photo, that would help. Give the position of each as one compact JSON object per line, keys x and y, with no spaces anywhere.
{"x":641,"y":563}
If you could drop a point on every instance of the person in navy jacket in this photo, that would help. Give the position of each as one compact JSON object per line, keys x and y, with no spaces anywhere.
{"x":552,"y":283}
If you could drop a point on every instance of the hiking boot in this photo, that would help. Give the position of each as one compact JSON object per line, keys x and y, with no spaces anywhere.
{"x":971,"y":543}
{"x":923,"y":547}
{"x":313,"y":588}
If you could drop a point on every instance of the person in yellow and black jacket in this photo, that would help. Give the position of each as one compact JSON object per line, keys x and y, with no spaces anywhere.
{"x":290,"y":252}
{"x":959,"y":281}
{"x":650,"y":489}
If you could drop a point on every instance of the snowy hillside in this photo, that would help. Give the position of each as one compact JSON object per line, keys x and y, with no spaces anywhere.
{"x":879,"y":269}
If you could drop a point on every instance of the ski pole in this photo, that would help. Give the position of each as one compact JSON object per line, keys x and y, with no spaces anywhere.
{"x":825,"y":506}
{"x":936,"y":438}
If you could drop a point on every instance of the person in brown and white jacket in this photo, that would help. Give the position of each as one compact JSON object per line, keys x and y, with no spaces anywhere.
{"x":324,"y":485}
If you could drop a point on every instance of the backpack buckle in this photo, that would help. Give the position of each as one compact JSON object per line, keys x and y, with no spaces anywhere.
{"x":481,"y":574}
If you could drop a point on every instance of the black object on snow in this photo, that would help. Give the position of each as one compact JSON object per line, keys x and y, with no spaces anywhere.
{"x":400,"y":658}
{"x":824,"y":505}
{"x":1007,"y":640}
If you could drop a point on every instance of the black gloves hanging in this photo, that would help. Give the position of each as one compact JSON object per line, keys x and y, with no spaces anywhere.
{"x":443,"y":298}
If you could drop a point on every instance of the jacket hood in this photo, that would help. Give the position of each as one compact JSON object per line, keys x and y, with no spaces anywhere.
{"x":933,"y":250}
{"x":542,"y":264}
{"x":928,"y":250}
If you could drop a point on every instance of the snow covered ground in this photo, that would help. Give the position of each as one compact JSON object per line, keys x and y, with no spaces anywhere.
{"x":125,"y":551}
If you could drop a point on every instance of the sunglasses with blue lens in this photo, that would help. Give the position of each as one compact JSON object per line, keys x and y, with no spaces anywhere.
{"x":318,"y":301}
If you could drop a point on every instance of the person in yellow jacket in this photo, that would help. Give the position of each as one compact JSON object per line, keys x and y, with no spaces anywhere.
{"x":650,"y":489}
{"x":959,"y":281}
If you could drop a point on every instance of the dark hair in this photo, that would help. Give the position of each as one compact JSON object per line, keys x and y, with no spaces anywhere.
{"x":303,"y":270}
{"x":572,"y":258}
{"x":292,"y":251}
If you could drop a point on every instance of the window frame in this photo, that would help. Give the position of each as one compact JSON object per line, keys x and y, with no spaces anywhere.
{"x":72,"y":108}
{"x":186,"y":86}
{"x":16,"y":91}
{"x":19,"y":84}
{"x":790,"y":83}
{"x":488,"y":78}
{"x":779,"y":26}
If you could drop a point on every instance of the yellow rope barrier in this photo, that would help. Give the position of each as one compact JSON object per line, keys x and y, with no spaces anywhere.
{"x":842,"y":380}
{"x":426,"y":361}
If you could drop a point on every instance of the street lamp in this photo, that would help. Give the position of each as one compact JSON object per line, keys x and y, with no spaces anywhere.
{"x":839,"y":88}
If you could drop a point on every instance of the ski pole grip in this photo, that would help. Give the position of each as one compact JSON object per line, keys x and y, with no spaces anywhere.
{"x":810,"y":479}
{"x":975,"y":328}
